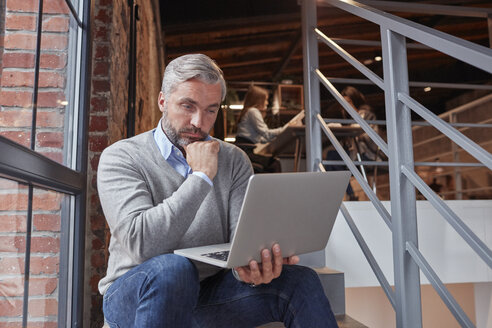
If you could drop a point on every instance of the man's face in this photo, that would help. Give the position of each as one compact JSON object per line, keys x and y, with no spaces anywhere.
{"x":190,"y":112}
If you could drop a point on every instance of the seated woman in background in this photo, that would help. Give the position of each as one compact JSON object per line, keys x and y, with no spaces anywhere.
{"x":252,"y":129}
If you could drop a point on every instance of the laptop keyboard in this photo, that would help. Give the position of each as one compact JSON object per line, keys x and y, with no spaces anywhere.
{"x":222,"y":255}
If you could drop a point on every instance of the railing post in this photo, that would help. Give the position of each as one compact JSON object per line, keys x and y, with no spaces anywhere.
{"x":403,"y":207}
{"x":311,"y":85}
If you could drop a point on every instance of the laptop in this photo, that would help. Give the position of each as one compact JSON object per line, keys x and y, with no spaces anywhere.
{"x":295,"y":210}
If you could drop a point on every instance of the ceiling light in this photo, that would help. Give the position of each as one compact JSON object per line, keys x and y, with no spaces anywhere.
{"x":230,"y":139}
{"x":236,"y":106}
{"x":378,"y":58}
{"x":427,"y":89}
{"x":368,"y":62}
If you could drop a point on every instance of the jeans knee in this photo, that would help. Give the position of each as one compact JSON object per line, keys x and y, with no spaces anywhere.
{"x":304,"y":278}
{"x":174,"y":273}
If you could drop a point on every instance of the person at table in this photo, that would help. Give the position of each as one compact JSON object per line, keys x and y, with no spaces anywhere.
{"x":252,"y":129}
{"x":251,"y":126}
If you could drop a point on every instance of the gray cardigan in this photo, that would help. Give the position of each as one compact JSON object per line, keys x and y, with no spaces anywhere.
{"x":151,"y":209}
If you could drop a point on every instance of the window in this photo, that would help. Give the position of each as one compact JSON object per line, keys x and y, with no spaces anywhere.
{"x":43,"y":74}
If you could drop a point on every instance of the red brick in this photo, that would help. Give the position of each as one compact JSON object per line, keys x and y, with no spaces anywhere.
{"x":37,"y":286}
{"x":26,"y":79}
{"x":103,"y":16}
{"x":21,"y":137}
{"x":45,"y":265}
{"x":102,"y":52}
{"x":51,"y":80}
{"x":13,"y":223}
{"x":30,"y":324}
{"x":24,"y":6}
{"x":15,"y":244}
{"x":99,"y":104}
{"x":12,"y":265}
{"x":97,"y":244}
{"x":13,"y":202}
{"x":20,"y":22}
{"x":98,"y":123}
{"x":45,"y":119}
{"x":42,"y":286}
{"x":46,"y":222}
{"x":51,"y":99}
{"x":98,"y":143}
{"x":101,"y":33}
{"x":53,"y":61}
{"x":28,"y":41}
{"x":98,"y":260}
{"x":45,"y":245}
{"x":13,"y":287}
{"x":55,"y":24}
{"x":10,"y":308}
{"x":50,"y":139}
{"x":38,"y":265}
{"x":54,"y":156}
{"x":15,"y":118}
{"x":95,"y":162}
{"x":100,"y":86}
{"x":49,"y":6}
{"x":20,"y":41}
{"x":18,"y":60}
{"x":43,"y":307}
{"x":101,"y":69}
{"x":46,"y":201}
{"x":95,"y":200}
{"x":16,"y":98}
{"x":55,"y":7}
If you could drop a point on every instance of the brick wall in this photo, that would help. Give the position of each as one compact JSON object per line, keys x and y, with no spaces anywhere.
{"x":17,"y":52}
{"x":108,"y":114}
{"x":99,"y":138}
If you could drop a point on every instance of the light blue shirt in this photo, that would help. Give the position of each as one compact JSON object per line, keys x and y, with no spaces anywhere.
{"x":174,"y":156}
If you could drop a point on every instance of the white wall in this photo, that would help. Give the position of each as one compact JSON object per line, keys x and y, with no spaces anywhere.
{"x":448,"y":254}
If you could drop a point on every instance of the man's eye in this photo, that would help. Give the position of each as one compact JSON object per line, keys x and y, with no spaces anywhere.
{"x":186,"y":106}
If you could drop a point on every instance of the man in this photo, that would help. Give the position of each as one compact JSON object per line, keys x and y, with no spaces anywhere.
{"x":175,"y":187}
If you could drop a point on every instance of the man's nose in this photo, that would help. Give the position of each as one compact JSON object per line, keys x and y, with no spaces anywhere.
{"x":196,"y":119}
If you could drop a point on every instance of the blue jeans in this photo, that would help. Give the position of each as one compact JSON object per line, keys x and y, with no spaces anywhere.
{"x":165,"y":292}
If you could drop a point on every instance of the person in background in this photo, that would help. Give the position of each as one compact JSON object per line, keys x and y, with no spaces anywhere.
{"x":251,"y":126}
{"x":252,"y":129}
{"x":175,"y":187}
{"x":362,"y":144}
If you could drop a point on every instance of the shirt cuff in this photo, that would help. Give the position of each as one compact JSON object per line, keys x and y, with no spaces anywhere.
{"x":204,"y":177}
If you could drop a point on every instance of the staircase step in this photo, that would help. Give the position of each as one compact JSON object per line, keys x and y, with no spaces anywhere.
{"x":333,"y":282}
{"x":345,"y":321}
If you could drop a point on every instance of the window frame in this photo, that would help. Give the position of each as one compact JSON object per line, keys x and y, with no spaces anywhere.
{"x":24,"y":165}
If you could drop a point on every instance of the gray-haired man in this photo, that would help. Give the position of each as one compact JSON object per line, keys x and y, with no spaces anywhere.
{"x":176,"y":187}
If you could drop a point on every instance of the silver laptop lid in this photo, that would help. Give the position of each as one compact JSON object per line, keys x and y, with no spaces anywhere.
{"x":296,"y":210}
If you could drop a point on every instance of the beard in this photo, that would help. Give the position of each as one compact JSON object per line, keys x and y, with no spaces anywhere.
{"x":175,"y":136}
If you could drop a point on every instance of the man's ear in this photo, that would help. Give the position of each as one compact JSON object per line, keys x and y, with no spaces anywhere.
{"x":161,"y":101}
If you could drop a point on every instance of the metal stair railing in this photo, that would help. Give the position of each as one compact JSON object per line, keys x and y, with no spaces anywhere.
{"x":408,"y":260}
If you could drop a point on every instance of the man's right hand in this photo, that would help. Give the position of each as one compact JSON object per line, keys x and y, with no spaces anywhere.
{"x":202,"y":156}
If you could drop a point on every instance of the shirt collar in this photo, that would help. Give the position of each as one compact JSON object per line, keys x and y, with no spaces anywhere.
{"x":165,"y":146}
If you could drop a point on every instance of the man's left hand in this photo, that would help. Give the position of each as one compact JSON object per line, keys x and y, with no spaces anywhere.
{"x":269,"y":269}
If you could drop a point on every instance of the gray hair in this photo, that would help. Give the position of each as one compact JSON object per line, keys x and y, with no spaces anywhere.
{"x":194,"y":66}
